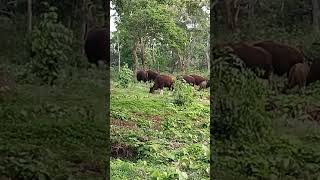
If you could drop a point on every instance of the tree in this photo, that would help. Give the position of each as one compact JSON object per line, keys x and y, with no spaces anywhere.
{"x":316,"y":15}
{"x":29,"y":16}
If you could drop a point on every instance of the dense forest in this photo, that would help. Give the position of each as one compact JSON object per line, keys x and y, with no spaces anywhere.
{"x":162,"y":35}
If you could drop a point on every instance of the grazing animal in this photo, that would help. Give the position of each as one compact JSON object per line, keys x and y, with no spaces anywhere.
{"x":314,"y":73}
{"x":298,"y":76}
{"x":204,"y":85}
{"x":96,"y":46}
{"x":255,"y":57}
{"x":283,"y":56}
{"x":189,"y":79}
{"x":198,"y":79}
{"x":152,"y":75}
{"x":142,"y":76}
{"x":162,"y":81}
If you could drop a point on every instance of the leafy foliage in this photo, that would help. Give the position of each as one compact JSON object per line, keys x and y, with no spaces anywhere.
{"x":124,"y":77}
{"x":50,"y":47}
{"x":239,"y":100}
{"x":171,"y":142}
{"x":183,"y":94}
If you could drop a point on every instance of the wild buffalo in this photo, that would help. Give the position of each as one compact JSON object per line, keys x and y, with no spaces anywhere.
{"x":314,"y":73}
{"x":283,"y":56}
{"x":189,"y":79}
{"x":298,"y":76}
{"x":152,"y":75}
{"x":255,"y":57}
{"x":197,"y":79}
{"x":204,"y":85}
{"x":162,"y":81}
{"x":142,"y":76}
{"x":96,"y":46}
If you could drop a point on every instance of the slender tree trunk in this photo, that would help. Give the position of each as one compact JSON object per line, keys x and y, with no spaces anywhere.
{"x":208,"y":53}
{"x":92,"y":20}
{"x":315,"y":15}
{"x":106,"y":12}
{"x":29,"y":16}
{"x":134,"y":56}
{"x":143,"y":53}
{"x":84,"y":23}
{"x":119,"y":54}
{"x":153,"y":53}
{"x":231,"y":10}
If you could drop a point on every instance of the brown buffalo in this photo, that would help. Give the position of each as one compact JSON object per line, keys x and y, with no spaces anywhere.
{"x":162,"y":81}
{"x":142,"y":76}
{"x":96,"y":46}
{"x":283,"y":56}
{"x":204,"y":85}
{"x":255,"y":57}
{"x":198,"y":79}
{"x":314,"y":74}
{"x":189,"y":79}
{"x":298,"y":76}
{"x":152,"y":75}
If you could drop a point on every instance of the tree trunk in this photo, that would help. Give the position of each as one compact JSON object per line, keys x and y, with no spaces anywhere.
{"x":230,"y":11}
{"x":119,"y":54}
{"x":106,"y":6}
{"x":134,"y":56}
{"x":153,"y":53}
{"x":29,"y":16}
{"x":84,"y":24}
{"x":315,"y":15}
{"x":92,"y":20}
{"x":143,"y":53}
{"x":208,"y":53}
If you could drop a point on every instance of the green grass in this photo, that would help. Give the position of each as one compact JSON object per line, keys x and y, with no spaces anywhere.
{"x":58,"y":132}
{"x":157,"y":138}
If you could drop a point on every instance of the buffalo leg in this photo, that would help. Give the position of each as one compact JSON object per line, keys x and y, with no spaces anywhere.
{"x":161,"y":91}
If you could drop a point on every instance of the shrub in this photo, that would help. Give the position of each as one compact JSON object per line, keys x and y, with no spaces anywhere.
{"x":124,"y":77}
{"x":238,"y":101}
{"x":183,"y":94}
{"x":50,"y":47}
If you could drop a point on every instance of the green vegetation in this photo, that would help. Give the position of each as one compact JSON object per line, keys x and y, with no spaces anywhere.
{"x":259,"y":133}
{"x":152,"y":137}
{"x":55,"y":131}
{"x":53,"y":118}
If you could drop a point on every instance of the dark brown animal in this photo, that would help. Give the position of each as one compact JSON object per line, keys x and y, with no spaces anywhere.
{"x":204,"y":85}
{"x":198,"y":79}
{"x":189,"y":79}
{"x":298,"y":76}
{"x":142,"y":76}
{"x":152,"y":75}
{"x":283,"y":56}
{"x":162,"y":81}
{"x":255,"y":57}
{"x":314,"y":74}
{"x":96,"y":46}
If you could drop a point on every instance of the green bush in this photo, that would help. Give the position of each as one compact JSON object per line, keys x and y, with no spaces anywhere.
{"x":124,"y":77}
{"x":50,"y":47}
{"x":239,"y":101}
{"x":183,"y":94}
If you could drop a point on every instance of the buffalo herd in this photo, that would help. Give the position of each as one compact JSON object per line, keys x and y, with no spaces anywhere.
{"x":272,"y":57}
{"x":277,"y":58}
{"x":163,"y":80}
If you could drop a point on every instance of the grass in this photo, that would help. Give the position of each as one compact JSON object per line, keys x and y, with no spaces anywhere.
{"x":290,"y":152}
{"x":58,"y":132}
{"x":153,"y":138}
